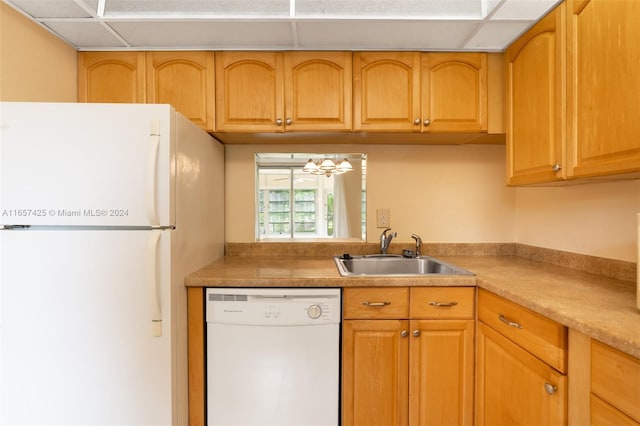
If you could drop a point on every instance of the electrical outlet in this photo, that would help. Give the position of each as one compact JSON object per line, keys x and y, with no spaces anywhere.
{"x":383,"y":218}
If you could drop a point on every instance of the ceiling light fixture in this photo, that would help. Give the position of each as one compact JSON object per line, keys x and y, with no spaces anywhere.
{"x":327,"y":167}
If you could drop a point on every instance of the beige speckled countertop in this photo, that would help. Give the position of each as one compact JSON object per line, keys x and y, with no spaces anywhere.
{"x":600,"y":307}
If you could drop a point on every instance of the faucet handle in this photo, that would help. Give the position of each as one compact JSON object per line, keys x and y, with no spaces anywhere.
{"x":418,"y":243}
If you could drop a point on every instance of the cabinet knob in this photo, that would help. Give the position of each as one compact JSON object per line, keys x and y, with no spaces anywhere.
{"x":550,"y":388}
{"x":288,"y":121}
{"x":404,"y":333}
{"x":426,"y":122}
{"x":416,"y":333}
{"x":556,"y":167}
{"x":416,"y":121}
{"x":279,"y":122}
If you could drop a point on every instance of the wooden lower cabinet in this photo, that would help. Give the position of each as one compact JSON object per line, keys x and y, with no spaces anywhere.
{"x":413,"y":370}
{"x":514,"y":387}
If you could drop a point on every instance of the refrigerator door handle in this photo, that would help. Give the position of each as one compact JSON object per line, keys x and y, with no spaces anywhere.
{"x":153,"y":278}
{"x":152,"y":172}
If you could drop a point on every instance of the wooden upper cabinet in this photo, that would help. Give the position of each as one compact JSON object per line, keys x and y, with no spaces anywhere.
{"x":317,"y":90}
{"x":184,"y":80}
{"x":386,"y":88}
{"x":454,"y":92}
{"x":249,"y":92}
{"x":535,"y":102}
{"x":414,"y":92}
{"x":278,"y":92}
{"x":602,"y":97}
{"x":111,"y":77}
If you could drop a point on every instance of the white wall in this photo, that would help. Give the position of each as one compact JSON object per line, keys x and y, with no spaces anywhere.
{"x":598,"y":219}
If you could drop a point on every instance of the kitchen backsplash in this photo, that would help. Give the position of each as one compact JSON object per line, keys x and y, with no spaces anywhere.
{"x":612,"y":268}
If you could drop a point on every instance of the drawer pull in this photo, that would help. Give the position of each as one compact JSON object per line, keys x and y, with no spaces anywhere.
{"x":550,"y":388}
{"x":443,"y":304}
{"x":509,"y":323}
{"x":366,"y":303}
{"x":404,"y":333}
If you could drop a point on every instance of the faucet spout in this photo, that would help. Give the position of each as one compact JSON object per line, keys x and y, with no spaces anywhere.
{"x":385,"y":240}
{"x":418,"y":243}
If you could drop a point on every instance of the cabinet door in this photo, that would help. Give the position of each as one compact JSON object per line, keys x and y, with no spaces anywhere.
{"x":602,"y":96}
{"x":454,"y":92}
{"x":249,"y":92}
{"x":317,"y":91}
{"x":184,"y":80}
{"x":111,"y":77}
{"x":375,"y":371}
{"x":512,"y":385}
{"x":535,"y":109}
{"x":386,"y":88}
{"x":441,"y":357}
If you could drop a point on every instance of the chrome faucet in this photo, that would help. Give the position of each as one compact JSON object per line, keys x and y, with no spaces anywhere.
{"x":418,"y":243}
{"x":385,"y":240}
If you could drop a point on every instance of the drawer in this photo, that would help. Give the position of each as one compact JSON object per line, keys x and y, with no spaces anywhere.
{"x":442,"y":302}
{"x":544,"y":338}
{"x":376,"y":303}
{"x":615,"y":377}
{"x":604,"y":414}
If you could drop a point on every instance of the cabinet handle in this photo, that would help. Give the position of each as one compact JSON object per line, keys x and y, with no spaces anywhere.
{"x":279,"y":122}
{"x":556,"y":167}
{"x":404,"y":333}
{"x":508,"y":322}
{"x":365,"y":303}
{"x":426,"y":122}
{"x":288,"y":121}
{"x":550,"y":388}
{"x":416,"y":333}
{"x":443,"y":304}
{"x":416,"y":121}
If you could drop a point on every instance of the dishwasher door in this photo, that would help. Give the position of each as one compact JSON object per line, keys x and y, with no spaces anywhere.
{"x":273,"y":356}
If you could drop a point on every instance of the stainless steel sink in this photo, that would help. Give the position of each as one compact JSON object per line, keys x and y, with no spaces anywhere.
{"x":385,"y":265}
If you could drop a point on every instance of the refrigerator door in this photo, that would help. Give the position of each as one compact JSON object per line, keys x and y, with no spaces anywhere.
{"x":86,"y":164}
{"x":80,"y":340}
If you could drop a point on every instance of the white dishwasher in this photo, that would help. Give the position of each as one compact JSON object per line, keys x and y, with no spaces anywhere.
{"x":273,"y":356}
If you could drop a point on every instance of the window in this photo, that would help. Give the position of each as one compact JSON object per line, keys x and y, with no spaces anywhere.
{"x":294,"y":204}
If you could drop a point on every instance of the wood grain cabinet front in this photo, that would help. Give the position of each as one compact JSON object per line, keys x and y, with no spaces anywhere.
{"x":184,"y":80}
{"x":401,"y":366}
{"x":602,"y":94}
{"x":420,"y":92}
{"x":535,"y":103}
{"x":279,"y":92}
{"x":521,"y":365}
{"x":117,"y":77}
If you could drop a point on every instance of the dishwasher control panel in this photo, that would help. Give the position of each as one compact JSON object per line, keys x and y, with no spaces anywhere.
{"x":283,"y":306}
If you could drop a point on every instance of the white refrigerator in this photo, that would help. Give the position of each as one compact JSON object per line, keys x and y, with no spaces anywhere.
{"x":104,"y":208}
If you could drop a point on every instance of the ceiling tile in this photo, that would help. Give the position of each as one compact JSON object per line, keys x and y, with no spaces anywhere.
{"x":349,"y":34}
{"x":496,"y":35}
{"x":205,"y":34}
{"x":530,"y":10}
{"x":192,"y":8}
{"x":415,"y":9}
{"x":54,"y":8}
{"x":85,"y":34}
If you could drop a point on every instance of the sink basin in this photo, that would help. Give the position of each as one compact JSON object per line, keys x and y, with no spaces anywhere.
{"x":385,"y":265}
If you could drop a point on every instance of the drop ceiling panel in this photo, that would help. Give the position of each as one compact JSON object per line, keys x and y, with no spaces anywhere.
{"x":205,"y":34}
{"x":523,"y":9}
{"x":55,"y":8}
{"x":424,"y":9}
{"x":496,"y":36}
{"x":186,"y":8}
{"x":85,"y":34}
{"x":383,"y":35}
